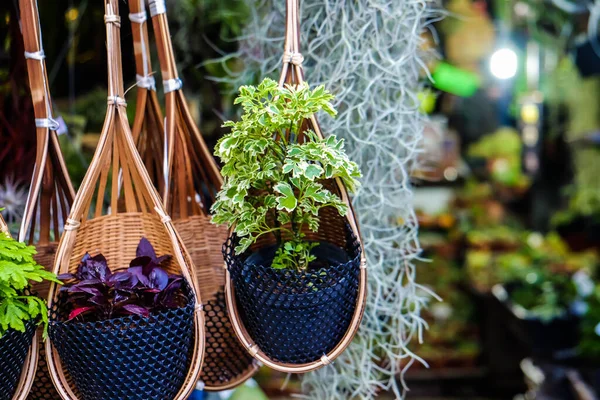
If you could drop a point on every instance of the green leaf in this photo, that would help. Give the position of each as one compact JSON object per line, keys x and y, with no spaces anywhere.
{"x":313,"y":171}
{"x":287,"y":201}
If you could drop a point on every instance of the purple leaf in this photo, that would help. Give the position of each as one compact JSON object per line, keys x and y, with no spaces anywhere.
{"x":78,"y":311}
{"x":145,"y":249}
{"x":100,"y":300}
{"x":66,"y":277}
{"x":137,"y":310}
{"x":158,"y":278}
{"x":121,"y":276}
{"x":121,"y":296}
{"x":137,"y":273}
{"x":140,"y":261}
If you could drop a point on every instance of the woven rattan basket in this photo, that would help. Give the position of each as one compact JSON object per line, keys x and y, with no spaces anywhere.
{"x":191,"y":187}
{"x":134,"y":211}
{"x":333,"y":229}
{"x":51,"y":193}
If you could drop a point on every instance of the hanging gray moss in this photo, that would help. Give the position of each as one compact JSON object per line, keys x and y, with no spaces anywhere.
{"x":368,"y":53}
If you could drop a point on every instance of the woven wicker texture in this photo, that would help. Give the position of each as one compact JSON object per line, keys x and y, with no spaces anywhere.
{"x":14,"y":347}
{"x":115,"y":207}
{"x":190,"y":190}
{"x":296,"y":317}
{"x":153,"y":351}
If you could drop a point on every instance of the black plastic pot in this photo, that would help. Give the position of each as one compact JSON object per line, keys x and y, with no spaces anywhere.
{"x":296,"y":317}
{"x":128,"y":358}
{"x":14,"y":347}
{"x":551,"y":339}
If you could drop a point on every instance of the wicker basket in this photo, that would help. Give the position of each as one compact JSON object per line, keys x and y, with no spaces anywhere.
{"x":191,"y":187}
{"x":51,"y":193}
{"x":333,"y":230}
{"x":114,"y":229}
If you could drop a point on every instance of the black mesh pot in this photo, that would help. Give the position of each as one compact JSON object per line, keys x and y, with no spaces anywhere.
{"x":128,"y":358}
{"x":14,"y":347}
{"x":296,"y":317}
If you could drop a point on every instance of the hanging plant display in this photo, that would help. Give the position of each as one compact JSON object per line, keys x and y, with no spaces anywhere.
{"x":295,"y":256}
{"x":20,"y":313}
{"x":134,"y":333}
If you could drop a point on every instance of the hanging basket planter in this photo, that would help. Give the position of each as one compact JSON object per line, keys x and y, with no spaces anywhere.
{"x":296,"y":317}
{"x":188,"y":182}
{"x":140,"y":352}
{"x":154,"y":351}
{"x":51,"y":192}
{"x":296,"y":272}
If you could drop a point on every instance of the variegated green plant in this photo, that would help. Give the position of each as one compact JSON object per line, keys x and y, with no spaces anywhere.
{"x":272,"y":183}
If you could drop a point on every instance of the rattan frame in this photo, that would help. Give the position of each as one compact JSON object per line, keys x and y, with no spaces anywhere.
{"x":51,"y":192}
{"x":190,"y":166}
{"x":115,"y":231}
{"x":147,"y":128}
{"x":292,"y":73}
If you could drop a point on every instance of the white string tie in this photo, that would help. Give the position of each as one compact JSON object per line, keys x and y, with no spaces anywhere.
{"x":172,"y":84}
{"x":325,"y":360}
{"x":253,"y":350}
{"x":157,"y":7}
{"x":138,"y":18}
{"x":35,"y":55}
{"x":199,"y":307}
{"x":164,"y":217}
{"x":293,"y":58}
{"x":146,"y":82}
{"x":119,"y":101}
{"x":49,"y":123}
{"x":71,"y":225}
{"x":112,"y":19}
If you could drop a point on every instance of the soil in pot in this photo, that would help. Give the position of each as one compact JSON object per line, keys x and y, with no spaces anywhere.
{"x":297,"y":317}
{"x":127,"y":358}
{"x":14,"y":347}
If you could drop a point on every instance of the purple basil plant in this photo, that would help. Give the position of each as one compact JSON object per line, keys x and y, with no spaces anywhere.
{"x":97,"y":294}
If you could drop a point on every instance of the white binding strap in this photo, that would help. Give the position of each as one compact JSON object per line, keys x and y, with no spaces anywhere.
{"x":36,"y":55}
{"x":138,"y":18}
{"x":49,"y":123}
{"x":293,"y":58}
{"x":157,"y":7}
{"x":146,"y":82}
{"x":172,"y":84}
{"x":112,"y":19}
{"x":119,"y":101}
{"x":325,"y":360}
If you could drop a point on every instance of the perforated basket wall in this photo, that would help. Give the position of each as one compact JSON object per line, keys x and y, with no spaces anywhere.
{"x":128,"y":358}
{"x":14,"y":347}
{"x":225,"y":358}
{"x":295,"y":317}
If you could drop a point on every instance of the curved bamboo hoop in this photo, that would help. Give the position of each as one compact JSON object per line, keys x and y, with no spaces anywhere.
{"x":51,"y":192}
{"x":135,"y":209}
{"x":292,"y":73}
{"x":193,"y":180}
